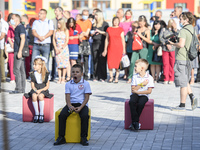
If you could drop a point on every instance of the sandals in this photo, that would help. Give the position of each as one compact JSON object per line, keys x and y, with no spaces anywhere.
{"x":35,"y":119}
{"x":110,"y":80}
{"x":68,"y":79}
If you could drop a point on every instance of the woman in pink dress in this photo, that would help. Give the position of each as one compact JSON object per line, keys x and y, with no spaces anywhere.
{"x":60,"y":42}
{"x":127,"y":26}
{"x":114,"y":48}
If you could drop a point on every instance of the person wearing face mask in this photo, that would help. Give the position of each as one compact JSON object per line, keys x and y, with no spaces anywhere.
{"x":177,"y":12}
{"x":3,"y":33}
{"x":84,"y":47}
{"x":19,"y":67}
{"x":182,"y":67}
{"x":126,"y":25}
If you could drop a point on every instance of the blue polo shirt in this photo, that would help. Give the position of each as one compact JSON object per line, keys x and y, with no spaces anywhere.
{"x":78,"y":90}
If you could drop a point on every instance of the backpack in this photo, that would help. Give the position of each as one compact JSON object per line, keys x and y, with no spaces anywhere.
{"x":194,"y":46}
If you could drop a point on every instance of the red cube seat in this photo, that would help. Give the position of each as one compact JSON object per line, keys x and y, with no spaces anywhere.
{"x":28,"y":110}
{"x":146,"y":117}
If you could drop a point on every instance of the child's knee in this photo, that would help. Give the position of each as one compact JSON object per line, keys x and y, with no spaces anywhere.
{"x":34,"y":97}
{"x":41,"y":97}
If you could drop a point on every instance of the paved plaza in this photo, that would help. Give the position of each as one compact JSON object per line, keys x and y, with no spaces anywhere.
{"x":172,"y":130}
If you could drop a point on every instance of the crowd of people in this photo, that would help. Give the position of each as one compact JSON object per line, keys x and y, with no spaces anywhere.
{"x":88,"y":41}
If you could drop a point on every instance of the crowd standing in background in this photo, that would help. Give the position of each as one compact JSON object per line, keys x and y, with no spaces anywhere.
{"x":88,"y":40}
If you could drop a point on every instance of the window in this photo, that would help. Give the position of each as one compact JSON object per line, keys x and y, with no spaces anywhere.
{"x":158,"y":4}
{"x":54,"y":5}
{"x":127,"y":5}
{"x":30,"y":6}
{"x":183,"y":5}
{"x":77,"y":4}
{"x":6,"y":5}
{"x":146,"y":6}
{"x":101,"y":4}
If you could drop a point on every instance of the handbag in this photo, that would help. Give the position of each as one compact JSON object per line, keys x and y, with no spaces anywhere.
{"x":125,"y":62}
{"x":9,"y":49}
{"x":155,"y":57}
{"x":159,"y":51}
{"x":137,"y":43}
{"x":25,"y":50}
{"x":84,"y":48}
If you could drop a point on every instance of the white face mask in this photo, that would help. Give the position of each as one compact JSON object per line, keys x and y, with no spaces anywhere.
{"x":12,"y":22}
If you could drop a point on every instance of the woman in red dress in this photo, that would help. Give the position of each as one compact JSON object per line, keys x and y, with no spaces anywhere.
{"x":114,"y":48}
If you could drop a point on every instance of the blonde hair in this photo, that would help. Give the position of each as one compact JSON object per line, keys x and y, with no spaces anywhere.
{"x":143,"y":62}
{"x":62,"y":24}
{"x":170,"y":22}
{"x":41,"y":62}
{"x":100,"y":19}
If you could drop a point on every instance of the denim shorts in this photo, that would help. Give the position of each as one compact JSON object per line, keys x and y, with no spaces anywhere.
{"x":182,"y":70}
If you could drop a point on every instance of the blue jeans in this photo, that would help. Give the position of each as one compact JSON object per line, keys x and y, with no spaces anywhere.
{"x":43,"y":50}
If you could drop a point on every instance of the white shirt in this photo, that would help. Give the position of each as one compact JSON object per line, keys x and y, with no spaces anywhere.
{"x":177,"y":20}
{"x":137,"y":79}
{"x":78,"y":90}
{"x":38,"y":77}
{"x":4,"y":29}
{"x":42,"y":28}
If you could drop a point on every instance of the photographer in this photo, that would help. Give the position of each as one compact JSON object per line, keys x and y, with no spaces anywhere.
{"x":182,"y":65}
{"x":168,"y":51}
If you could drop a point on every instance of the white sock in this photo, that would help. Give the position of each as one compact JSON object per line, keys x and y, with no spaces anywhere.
{"x":41,"y":104}
{"x":35,"y":106}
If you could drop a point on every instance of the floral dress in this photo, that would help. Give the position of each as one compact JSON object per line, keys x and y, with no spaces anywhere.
{"x":62,"y":59}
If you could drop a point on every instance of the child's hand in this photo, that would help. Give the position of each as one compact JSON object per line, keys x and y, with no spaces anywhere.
{"x":135,"y":91}
{"x":145,"y":82}
{"x":77,"y":109}
{"x":38,"y":91}
{"x":71,"y":108}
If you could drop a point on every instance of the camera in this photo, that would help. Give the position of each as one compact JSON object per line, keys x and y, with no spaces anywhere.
{"x":173,"y":38}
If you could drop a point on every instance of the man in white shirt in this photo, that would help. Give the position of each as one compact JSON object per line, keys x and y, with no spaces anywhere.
{"x":3,"y":32}
{"x":177,"y":12}
{"x":42,"y":30}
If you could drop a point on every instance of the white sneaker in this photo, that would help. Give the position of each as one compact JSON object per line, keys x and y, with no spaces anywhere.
{"x":12,"y":81}
{"x":194,"y":103}
{"x":177,"y":108}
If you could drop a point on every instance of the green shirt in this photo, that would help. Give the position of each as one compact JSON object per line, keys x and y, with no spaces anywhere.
{"x":181,"y":53}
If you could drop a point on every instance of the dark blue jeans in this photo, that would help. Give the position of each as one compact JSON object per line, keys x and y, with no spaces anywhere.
{"x":43,"y":50}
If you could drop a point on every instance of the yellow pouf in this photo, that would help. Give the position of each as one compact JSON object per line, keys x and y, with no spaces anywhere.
{"x":73,"y":127}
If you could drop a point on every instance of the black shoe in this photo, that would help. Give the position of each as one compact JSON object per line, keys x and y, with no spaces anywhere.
{"x":41,"y":119}
{"x":35,"y":120}
{"x":136,"y":126}
{"x":15,"y":92}
{"x":52,"y":79}
{"x":60,"y":140}
{"x":84,"y":141}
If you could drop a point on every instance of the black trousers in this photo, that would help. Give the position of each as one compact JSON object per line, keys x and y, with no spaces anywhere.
{"x":53,"y":71}
{"x":136,"y":104}
{"x":84,"y":120}
{"x":100,"y":62}
{"x":86,"y":67}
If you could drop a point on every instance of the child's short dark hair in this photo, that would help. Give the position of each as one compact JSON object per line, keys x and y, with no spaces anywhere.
{"x":144,"y":61}
{"x":78,"y":66}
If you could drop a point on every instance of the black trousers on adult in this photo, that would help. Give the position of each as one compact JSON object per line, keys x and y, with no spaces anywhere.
{"x":53,"y":71}
{"x":99,"y":62}
{"x":84,"y":120}
{"x":85,"y":62}
{"x":136,"y":104}
{"x":20,"y":74}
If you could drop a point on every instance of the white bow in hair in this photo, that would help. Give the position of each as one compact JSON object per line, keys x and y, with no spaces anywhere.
{"x":41,"y":57}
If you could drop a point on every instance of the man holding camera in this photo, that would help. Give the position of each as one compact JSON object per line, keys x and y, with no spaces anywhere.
{"x":182,"y":67}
